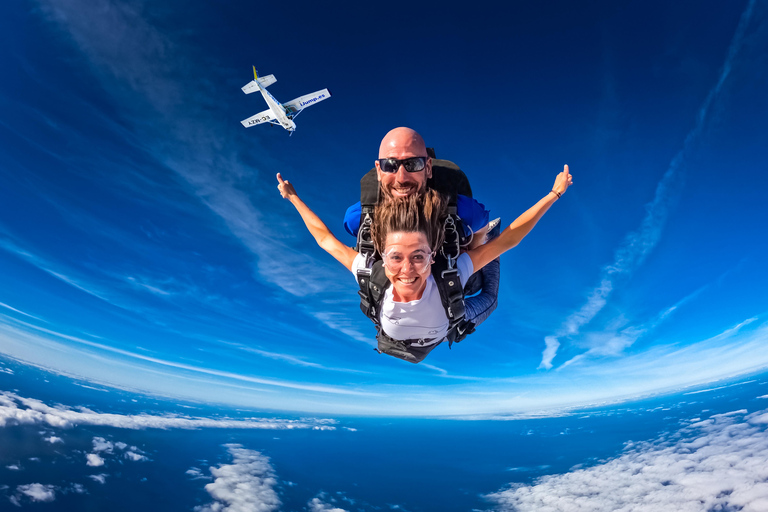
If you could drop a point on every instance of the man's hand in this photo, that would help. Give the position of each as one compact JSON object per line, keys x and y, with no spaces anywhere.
{"x":563,"y":181}
{"x":285,"y":188}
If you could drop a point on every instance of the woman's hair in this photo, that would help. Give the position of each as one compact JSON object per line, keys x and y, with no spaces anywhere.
{"x":417,"y":213}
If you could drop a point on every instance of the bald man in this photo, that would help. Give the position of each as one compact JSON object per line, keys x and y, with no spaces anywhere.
{"x":403,"y":168}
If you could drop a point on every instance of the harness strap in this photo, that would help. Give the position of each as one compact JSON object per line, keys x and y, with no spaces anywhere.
{"x":406,"y":350}
{"x":373,"y":282}
{"x":364,"y":241}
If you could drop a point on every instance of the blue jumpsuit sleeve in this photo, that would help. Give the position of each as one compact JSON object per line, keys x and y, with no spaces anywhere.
{"x":352,"y":219}
{"x":471,"y":211}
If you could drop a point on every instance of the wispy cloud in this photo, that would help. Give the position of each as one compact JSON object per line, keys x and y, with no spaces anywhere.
{"x":638,"y":244}
{"x":245,"y":485}
{"x":291,"y":359}
{"x":56,"y":271}
{"x":197,"y":474}
{"x":720,"y":463}
{"x":16,"y":410}
{"x":101,"y":478}
{"x":132,"y":57}
{"x":615,"y":338}
{"x":183,"y":366}
{"x":6,"y":306}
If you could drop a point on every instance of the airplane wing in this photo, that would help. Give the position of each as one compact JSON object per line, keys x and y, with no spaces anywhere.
{"x":262,"y":117}
{"x":305,"y":101}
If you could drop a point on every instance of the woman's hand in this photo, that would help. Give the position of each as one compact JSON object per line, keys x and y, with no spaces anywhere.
{"x":285,"y":188}
{"x":562,"y":182}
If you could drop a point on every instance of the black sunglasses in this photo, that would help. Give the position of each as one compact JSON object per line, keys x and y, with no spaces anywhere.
{"x":413,"y":164}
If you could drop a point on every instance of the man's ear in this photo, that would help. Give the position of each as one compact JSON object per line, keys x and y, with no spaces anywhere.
{"x":428,"y":168}
{"x":378,"y":169}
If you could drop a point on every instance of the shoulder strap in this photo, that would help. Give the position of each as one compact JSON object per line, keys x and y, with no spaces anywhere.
{"x":369,"y":197}
{"x":451,"y":291}
{"x":446,"y":275}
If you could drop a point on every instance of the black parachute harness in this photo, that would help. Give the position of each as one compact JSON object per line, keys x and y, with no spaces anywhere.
{"x":448,"y":179}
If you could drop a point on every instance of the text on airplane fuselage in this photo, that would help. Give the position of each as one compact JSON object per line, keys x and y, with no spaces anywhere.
{"x":312,"y":100}
{"x":259,"y":120}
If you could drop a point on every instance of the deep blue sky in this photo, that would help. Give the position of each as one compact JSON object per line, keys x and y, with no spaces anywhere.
{"x":143,"y":243}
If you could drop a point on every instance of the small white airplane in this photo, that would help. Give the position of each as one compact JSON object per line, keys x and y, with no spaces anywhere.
{"x":281,"y":114}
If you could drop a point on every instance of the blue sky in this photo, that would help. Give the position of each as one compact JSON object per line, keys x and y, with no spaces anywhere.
{"x":143,"y":243}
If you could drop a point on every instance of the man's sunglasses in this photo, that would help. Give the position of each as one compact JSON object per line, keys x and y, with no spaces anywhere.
{"x":414,"y":164}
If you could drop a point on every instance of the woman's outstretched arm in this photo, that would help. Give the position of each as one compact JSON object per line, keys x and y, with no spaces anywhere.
{"x":323,"y":236}
{"x":522,"y":225}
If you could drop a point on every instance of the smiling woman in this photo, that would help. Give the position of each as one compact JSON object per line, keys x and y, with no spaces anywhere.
{"x":409,"y":228}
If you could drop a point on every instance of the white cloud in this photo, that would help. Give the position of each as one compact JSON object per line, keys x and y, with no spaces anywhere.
{"x":720,"y":463}
{"x":16,"y":410}
{"x":54,"y":439}
{"x":38,"y":492}
{"x":94,"y":460}
{"x":102,"y":445}
{"x":318,"y":505}
{"x":100,"y":478}
{"x":246,"y":485}
{"x":638,"y":244}
{"x":13,"y":467}
{"x":135,"y":457}
{"x":197,"y":474}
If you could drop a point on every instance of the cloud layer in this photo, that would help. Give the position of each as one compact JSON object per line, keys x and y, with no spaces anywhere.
{"x":16,"y":410}
{"x":720,"y":463}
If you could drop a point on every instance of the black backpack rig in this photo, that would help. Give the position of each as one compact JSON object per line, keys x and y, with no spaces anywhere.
{"x":448,"y":179}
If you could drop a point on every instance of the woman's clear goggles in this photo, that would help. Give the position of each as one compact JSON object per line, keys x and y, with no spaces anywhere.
{"x":419,"y":260}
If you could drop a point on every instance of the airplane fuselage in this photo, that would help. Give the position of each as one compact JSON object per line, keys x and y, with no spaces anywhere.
{"x":281,"y":114}
{"x":277,"y":109}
